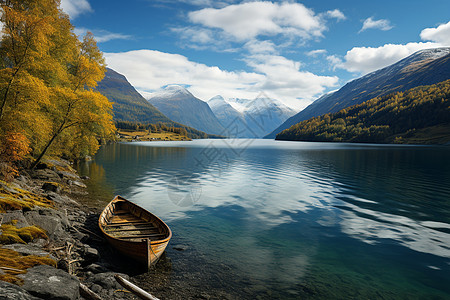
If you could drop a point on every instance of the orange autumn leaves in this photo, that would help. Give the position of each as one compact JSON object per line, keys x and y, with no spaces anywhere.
{"x":48,"y":104}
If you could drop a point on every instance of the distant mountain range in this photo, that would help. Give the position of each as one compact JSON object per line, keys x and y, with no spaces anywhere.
{"x":130,"y":106}
{"x":180,"y":105}
{"x":249,"y":118}
{"x":233,"y":118}
{"x":424,"y":67}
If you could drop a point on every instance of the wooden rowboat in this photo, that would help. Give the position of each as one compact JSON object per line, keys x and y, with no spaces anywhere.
{"x":134,"y":231}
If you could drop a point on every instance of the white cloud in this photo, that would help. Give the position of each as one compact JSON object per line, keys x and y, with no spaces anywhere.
{"x":149,"y":70}
{"x":441,"y":34}
{"x":74,"y":8}
{"x":368,"y":59}
{"x":317,"y":52}
{"x":246,"y":21}
{"x":258,"y":47}
{"x":202,"y":3}
{"x":381,"y":24}
{"x":283,"y":78}
{"x":334,"y":61}
{"x":336,"y":14}
{"x":200,"y":38}
{"x":102,"y":36}
{"x":277,"y":76}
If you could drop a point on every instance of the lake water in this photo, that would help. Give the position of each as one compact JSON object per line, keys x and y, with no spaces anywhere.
{"x":275,"y":219}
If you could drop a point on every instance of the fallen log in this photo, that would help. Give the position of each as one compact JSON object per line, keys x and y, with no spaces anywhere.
{"x":134,"y":288}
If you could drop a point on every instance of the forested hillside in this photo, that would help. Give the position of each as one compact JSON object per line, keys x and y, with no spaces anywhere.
{"x":48,"y":104}
{"x":425,"y":67}
{"x":418,"y":115}
{"x":128,"y":104}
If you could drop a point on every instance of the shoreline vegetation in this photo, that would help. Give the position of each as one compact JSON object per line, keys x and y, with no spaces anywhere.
{"x":124,"y":135}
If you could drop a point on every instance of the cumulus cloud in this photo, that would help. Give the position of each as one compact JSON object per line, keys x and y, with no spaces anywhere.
{"x":74,"y":8}
{"x":277,"y":76}
{"x":381,"y":24}
{"x":284,"y":78}
{"x":202,"y":3}
{"x":247,"y":21}
{"x":258,"y":47}
{"x":441,"y":34}
{"x":317,"y":52}
{"x":336,"y":14}
{"x":334,"y":61}
{"x":368,"y":59}
{"x":102,"y":36}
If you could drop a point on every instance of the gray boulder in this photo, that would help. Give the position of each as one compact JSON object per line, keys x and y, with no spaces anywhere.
{"x":54,"y":222}
{"x":12,"y":291}
{"x":46,"y":174}
{"x":17,"y":215}
{"x":49,"y":283}
{"x":107,"y":280}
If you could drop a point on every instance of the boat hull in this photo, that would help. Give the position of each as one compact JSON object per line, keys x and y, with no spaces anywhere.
{"x":134,"y":231}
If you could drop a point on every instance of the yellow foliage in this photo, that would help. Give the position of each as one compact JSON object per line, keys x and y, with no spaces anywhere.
{"x":13,"y":260}
{"x":46,"y":77}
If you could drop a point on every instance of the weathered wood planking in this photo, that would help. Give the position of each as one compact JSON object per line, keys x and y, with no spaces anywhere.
{"x":134,"y":231}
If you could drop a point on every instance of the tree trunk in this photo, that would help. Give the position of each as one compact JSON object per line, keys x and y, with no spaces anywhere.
{"x":36,"y":162}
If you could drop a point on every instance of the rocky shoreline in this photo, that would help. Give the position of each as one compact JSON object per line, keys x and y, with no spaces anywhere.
{"x":80,"y":255}
{"x":74,"y":241}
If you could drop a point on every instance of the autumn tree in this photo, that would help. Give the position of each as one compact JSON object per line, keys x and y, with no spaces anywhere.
{"x":47,"y":78}
{"x":76,"y":107}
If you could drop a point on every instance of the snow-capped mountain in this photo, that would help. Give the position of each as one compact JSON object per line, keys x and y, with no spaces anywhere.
{"x":250,"y":118}
{"x":231,"y":119}
{"x":180,"y":105}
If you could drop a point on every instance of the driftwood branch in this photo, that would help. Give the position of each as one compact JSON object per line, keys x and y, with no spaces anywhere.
{"x":134,"y":288}
{"x":87,"y":293}
{"x":11,"y":269}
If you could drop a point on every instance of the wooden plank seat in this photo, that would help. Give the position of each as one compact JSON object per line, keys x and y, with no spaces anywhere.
{"x":138,"y":227}
{"x":152,"y":229}
{"x":139,"y":236}
{"x":125,"y":223}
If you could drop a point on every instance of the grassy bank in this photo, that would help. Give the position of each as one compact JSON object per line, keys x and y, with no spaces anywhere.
{"x":145,"y":135}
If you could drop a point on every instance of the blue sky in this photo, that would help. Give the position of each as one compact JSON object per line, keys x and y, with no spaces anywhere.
{"x":293,"y":51}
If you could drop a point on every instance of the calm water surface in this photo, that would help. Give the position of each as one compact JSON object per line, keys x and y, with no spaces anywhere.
{"x":293,"y":219}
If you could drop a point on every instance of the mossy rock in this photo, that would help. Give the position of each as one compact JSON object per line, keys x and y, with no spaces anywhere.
{"x":11,"y":234}
{"x":19,"y":264}
{"x":15,"y":198}
{"x":52,"y":187}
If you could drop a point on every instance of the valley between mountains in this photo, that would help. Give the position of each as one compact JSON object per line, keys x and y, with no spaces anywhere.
{"x":176,"y":106}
